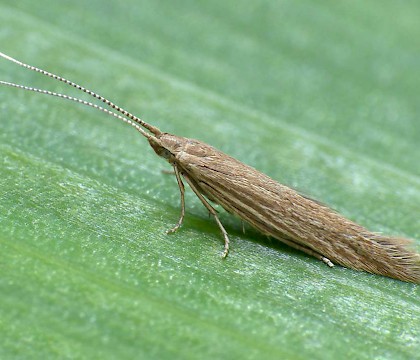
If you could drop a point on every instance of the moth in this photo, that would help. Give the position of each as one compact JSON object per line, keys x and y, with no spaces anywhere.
{"x":272,"y":208}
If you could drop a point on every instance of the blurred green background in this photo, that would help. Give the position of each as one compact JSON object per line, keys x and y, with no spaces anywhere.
{"x":320,"y":95}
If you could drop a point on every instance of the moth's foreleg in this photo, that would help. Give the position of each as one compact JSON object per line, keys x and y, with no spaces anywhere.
{"x":213,"y":212}
{"x":182,"y":192}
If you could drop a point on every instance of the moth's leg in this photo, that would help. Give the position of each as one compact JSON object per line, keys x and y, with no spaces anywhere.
{"x":213,"y":212}
{"x":327,"y":261}
{"x":308,"y":251}
{"x":182,"y":192}
{"x":168,"y":172}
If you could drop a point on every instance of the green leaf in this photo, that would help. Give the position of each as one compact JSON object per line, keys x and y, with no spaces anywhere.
{"x":322,"y":96}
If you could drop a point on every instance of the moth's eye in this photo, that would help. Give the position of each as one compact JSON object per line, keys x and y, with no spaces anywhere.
{"x":166,"y":154}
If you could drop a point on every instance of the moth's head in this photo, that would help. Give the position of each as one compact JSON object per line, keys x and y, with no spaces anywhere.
{"x":167,"y":145}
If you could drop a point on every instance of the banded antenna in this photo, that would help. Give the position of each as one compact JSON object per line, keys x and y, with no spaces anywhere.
{"x":127,"y":117}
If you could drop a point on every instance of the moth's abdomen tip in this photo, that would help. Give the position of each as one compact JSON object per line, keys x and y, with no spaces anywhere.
{"x":404,"y":260}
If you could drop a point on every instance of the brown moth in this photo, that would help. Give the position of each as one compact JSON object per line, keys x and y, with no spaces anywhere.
{"x":274,"y":209}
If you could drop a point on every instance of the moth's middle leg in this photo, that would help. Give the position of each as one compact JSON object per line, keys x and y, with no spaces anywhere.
{"x":213,"y":212}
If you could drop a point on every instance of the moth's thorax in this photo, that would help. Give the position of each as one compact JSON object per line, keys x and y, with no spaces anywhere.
{"x":172,"y":147}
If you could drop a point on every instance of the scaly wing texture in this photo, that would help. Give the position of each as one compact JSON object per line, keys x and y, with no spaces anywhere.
{"x":282,"y":213}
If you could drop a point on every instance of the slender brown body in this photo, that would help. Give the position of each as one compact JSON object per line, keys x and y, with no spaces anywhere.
{"x":270,"y":207}
{"x":279,"y":211}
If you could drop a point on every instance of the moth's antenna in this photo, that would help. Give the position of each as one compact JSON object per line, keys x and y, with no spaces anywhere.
{"x":71,"y":98}
{"x":154,"y":130}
